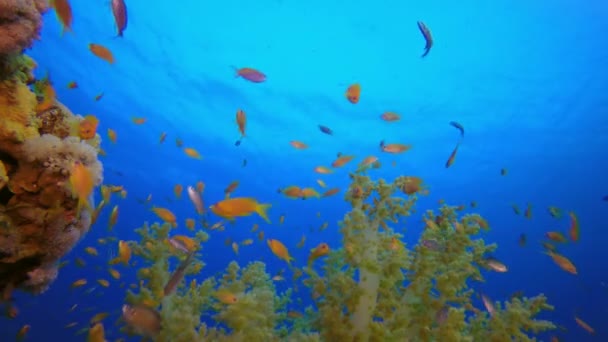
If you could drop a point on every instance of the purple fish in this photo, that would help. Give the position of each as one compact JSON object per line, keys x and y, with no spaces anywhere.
{"x":119,"y":9}
{"x":428,"y":38}
{"x":326,"y":130}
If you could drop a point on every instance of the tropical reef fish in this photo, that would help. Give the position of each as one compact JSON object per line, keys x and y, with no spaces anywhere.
{"x":452,"y":157}
{"x":321,"y":250}
{"x":241,"y":121}
{"x":142,"y":320}
{"x":353,"y":93}
{"x":250,"y":74}
{"x":279,"y":249}
{"x":298,"y":145}
{"x":102,"y":52}
{"x":240,"y":206}
{"x":326,"y":130}
{"x":97,"y":333}
{"x":63,"y":10}
{"x":390,"y":116}
{"x":178,"y":275}
{"x":81,"y":183}
{"x":119,"y":10}
{"x":428,"y":38}
{"x":196,"y":199}
{"x":458,"y":126}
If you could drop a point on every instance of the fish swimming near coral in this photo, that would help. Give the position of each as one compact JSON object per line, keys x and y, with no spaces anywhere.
{"x":178,"y":275}
{"x":428,"y":38}
{"x":142,"y":320}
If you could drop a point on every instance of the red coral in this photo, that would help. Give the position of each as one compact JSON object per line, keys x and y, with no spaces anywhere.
{"x":20,"y":23}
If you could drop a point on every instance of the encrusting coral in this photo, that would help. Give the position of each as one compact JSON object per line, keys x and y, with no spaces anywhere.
{"x":39,"y":220}
{"x":372,"y":289}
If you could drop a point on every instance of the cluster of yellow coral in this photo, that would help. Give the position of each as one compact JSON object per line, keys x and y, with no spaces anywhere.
{"x":372,"y":289}
{"x":38,"y":214}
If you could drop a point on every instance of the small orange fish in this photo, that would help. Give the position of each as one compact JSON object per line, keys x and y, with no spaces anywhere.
{"x":190,"y":152}
{"x":309,"y":192}
{"x":368,"y":161}
{"x":79,"y":283}
{"x":91,"y":251}
{"x":390,"y":116}
{"x":324,"y":170}
{"x":240,"y":206}
{"x":177,"y":190}
{"x":112,"y":135}
{"x":72,"y":85}
{"x":298,"y":145}
{"x":563,"y":262}
{"x":165,"y":215}
{"x":293,"y":192}
{"x":330,"y":192}
{"x":575,"y":230}
{"x":241,"y":122}
{"x":279,"y":249}
{"x":162,"y":138}
{"x":22,"y":333}
{"x":452,"y":157}
{"x":250,"y":74}
{"x":353,"y":93}
{"x":138,"y":121}
{"x":124,"y":252}
{"x":98,"y":97}
{"x":63,"y":10}
{"x":81,"y":184}
{"x":226,"y":297}
{"x":584,"y":325}
{"x":48,"y":94}
{"x":88,"y":127}
{"x":321,"y":183}
{"x":341,"y":161}
{"x":113,"y":218}
{"x":102,"y":52}
{"x":395,"y":148}
{"x":321,"y":250}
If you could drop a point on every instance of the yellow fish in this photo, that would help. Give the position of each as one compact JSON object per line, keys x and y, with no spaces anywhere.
{"x":240,"y":206}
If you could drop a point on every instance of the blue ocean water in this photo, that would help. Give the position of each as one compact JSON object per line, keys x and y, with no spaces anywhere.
{"x":527,"y":80}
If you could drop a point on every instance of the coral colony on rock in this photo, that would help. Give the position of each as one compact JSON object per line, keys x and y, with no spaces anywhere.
{"x":371,"y":287}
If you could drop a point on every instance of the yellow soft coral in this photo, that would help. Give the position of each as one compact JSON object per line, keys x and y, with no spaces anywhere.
{"x":17,"y":103}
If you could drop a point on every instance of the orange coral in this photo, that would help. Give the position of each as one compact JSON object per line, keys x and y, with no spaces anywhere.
{"x":20,"y":23}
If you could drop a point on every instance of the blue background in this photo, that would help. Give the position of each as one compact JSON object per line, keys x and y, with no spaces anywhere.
{"x":527,"y":80}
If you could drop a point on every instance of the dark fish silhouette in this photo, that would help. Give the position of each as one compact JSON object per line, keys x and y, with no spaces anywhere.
{"x":381,"y":144}
{"x":459,"y":127}
{"x":326,"y":130}
{"x":426,"y":33}
{"x":237,"y":143}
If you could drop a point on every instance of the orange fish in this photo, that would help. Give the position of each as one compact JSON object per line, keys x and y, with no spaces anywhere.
{"x":390,"y":116}
{"x":190,"y":152}
{"x":112,"y":135}
{"x":324,"y":170}
{"x":452,"y":157}
{"x":81,"y":184}
{"x":353,"y":93}
{"x":279,"y":249}
{"x":98,"y":97}
{"x":250,"y":74}
{"x":321,"y":183}
{"x":241,"y":122}
{"x":231,"y":187}
{"x":321,"y":250}
{"x":124,"y":252}
{"x":342,"y":160}
{"x":88,"y":127}
{"x":395,"y":148}
{"x":138,"y":121}
{"x":102,"y":52}
{"x":63,"y":10}
{"x":177,"y":190}
{"x":575,"y":230}
{"x":22,"y":333}
{"x":48,"y":94}
{"x":563,"y":262}
{"x":584,"y":325}
{"x":330,"y":192}
{"x":226,"y":297}
{"x":309,"y":192}
{"x":165,"y":215}
{"x":368,"y":161}
{"x":162,"y":138}
{"x":299,"y":145}
{"x":113,"y":217}
{"x":72,"y":85}
{"x":240,"y":206}
{"x":292,"y":192}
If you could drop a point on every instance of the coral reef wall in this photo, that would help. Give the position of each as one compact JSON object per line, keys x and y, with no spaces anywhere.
{"x":40,"y":141}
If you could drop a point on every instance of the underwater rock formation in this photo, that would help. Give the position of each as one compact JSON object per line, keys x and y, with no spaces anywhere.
{"x":39,"y":143}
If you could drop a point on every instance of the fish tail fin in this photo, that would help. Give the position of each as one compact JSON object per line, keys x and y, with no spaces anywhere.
{"x":261,"y":210}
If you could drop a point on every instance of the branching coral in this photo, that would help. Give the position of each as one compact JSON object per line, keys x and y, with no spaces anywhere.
{"x":372,"y":289}
{"x":20,"y":23}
